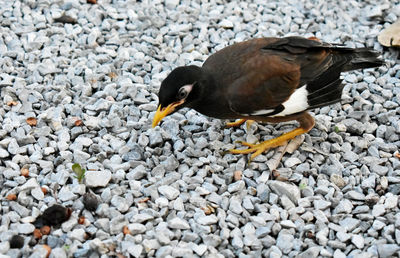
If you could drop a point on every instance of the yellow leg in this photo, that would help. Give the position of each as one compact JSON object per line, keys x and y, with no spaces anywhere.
{"x":239,"y":123}
{"x":257,"y":149}
{"x":236,"y":123}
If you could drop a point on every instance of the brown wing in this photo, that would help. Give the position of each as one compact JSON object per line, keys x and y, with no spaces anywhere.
{"x":266,"y":77}
{"x":266,"y":83}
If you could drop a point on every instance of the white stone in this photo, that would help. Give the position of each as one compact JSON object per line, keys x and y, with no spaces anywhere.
{"x":358,"y":241}
{"x":168,"y":191}
{"x":178,"y":223}
{"x":25,"y":228}
{"x":97,"y":178}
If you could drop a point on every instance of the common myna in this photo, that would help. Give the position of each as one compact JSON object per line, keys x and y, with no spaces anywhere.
{"x":265,"y":79}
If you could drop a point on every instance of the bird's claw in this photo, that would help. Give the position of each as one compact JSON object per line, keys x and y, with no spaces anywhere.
{"x":255,"y":149}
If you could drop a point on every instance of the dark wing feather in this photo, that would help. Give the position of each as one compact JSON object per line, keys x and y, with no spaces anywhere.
{"x":274,"y":72}
{"x":261,"y":74}
{"x":266,"y":83}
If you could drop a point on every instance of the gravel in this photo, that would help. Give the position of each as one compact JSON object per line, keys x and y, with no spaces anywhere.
{"x":90,"y":87}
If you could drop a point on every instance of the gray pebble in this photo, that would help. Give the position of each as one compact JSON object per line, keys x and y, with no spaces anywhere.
{"x":178,"y":223}
{"x":285,"y":242}
{"x":97,"y":178}
{"x":168,"y":191}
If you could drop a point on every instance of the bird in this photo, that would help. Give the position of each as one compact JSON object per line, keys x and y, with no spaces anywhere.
{"x":264,"y":79}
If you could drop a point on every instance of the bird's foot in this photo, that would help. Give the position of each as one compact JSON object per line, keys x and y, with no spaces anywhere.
{"x":257,"y":149}
{"x":239,"y":123}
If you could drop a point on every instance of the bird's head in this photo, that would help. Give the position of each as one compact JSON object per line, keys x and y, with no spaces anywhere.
{"x":177,"y":91}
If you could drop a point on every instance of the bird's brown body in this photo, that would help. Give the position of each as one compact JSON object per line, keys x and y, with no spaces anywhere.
{"x":266,"y":79}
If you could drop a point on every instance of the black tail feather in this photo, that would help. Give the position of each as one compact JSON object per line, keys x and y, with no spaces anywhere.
{"x":328,"y":94}
{"x":362,"y":58}
{"x":327,"y":87}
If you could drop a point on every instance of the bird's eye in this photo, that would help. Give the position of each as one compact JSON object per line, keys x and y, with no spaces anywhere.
{"x":182,"y":93}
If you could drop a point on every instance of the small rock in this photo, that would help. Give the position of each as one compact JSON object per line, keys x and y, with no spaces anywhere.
{"x":378,"y":225}
{"x":288,"y":224}
{"x":137,"y":228}
{"x":58,"y":252}
{"x":237,"y":186}
{"x":337,"y":180}
{"x":171,"y":4}
{"x":285,"y":242}
{"x":117,"y":224}
{"x":137,"y":173}
{"x":349,"y":223}
{"x":342,"y":236}
{"x":311,"y":252}
{"x":178,"y":223}
{"x":321,"y":204}
{"x":355,"y":195}
{"x":387,"y":250}
{"x":235,"y":205}
{"x":29,"y":185}
{"x":358,"y":241}
{"x":168,"y":191}
{"x":97,"y":178}
{"x":25,"y":228}
{"x":293,"y":161}
{"x":207,"y":220}
{"x":282,"y":188}
{"x":199,"y":249}
{"x":378,"y":210}
{"x":135,"y":250}
{"x":339,"y":254}
{"x":391,"y":201}
{"x":120,"y":203}
{"x":78,"y":234}
{"x":344,"y":206}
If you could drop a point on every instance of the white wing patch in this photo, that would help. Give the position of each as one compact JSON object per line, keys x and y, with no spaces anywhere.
{"x":297,"y":102}
{"x":262,"y":112}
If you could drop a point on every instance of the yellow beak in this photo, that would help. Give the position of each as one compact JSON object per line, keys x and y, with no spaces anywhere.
{"x":161,"y":113}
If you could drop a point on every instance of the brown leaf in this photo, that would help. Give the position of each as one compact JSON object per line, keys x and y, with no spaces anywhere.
{"x":208,"y":209}
{"x":45,"y":230}
{"x":44,"y":190}
{"x":397,"y":155}
{"x":81,"y":220}
{"x":37,"y":234}
{"x":145,"y":199}
{"x":31,"y":121}
{"x":12,"y":103}
{"x":11,"y":197}
{"x":274,"y":161}
{"x":92,"y":1}
{"x":112,"y":75}
{"x":237,"y":175}
{"x":390,"y":37}
{"x":65,"y":19}
{"x":25,"y":172}
{"x":78,"y":122}
{"x":295,"y":143}
{"x":48,"y":248}
{"x":126,"y":230}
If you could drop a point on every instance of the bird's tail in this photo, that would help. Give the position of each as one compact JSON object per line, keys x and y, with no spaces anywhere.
{"x":362,"y":58}
{"x":327,"y":88}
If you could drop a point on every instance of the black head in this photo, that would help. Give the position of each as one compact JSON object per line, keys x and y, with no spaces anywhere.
{"x":173,"y":87}
{"x":178,"y":90}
